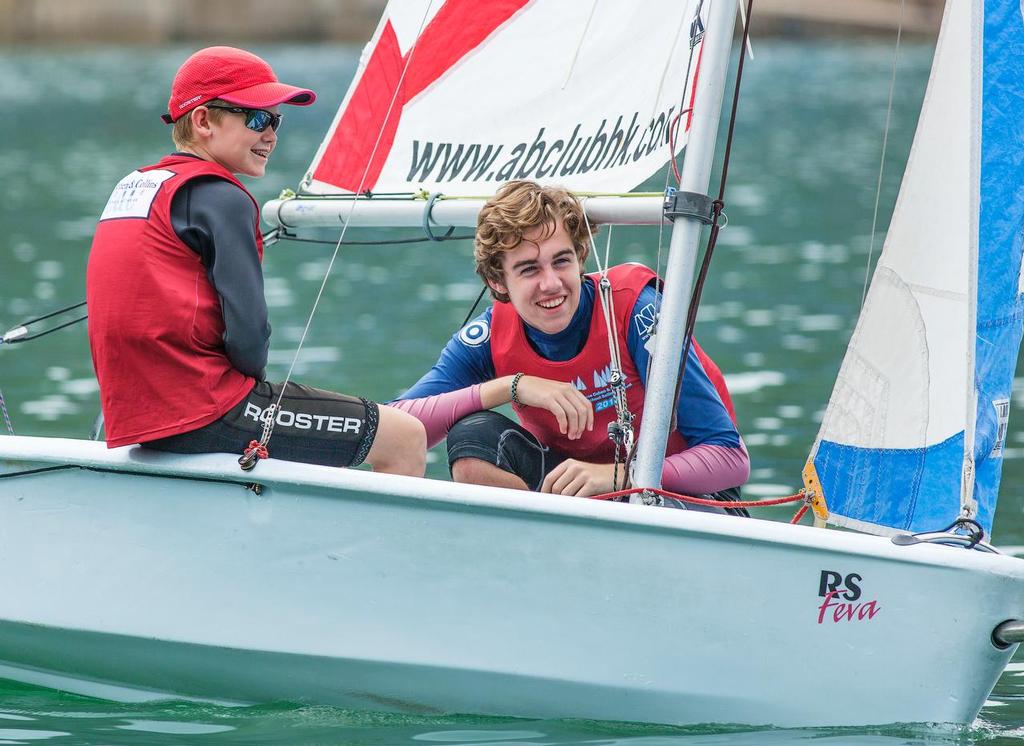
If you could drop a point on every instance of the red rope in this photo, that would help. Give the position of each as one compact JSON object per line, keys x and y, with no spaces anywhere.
{"x":702,"y":501}
{"x":799,"y":514}
{"x":257,"y":448}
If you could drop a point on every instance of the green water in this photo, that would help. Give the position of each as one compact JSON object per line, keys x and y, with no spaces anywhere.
{"x":778,"y":310}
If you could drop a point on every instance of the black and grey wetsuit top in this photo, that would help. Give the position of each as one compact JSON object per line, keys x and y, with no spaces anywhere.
{"x":215,"y":219}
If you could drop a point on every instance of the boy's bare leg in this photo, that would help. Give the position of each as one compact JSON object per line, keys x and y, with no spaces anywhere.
{"x":400,"y":446}
{"x":478,"y":471}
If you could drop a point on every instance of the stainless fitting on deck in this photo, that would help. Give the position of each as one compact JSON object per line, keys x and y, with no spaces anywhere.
{"x":1008,"y":633}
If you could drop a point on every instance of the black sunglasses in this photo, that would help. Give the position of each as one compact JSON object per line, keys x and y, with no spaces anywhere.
{"x":255,"y":119}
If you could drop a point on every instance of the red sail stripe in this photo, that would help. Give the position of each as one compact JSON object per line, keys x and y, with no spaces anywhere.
{"x":345,"y":157}
{"x":693,"y":87}
{"x":457,"y":29}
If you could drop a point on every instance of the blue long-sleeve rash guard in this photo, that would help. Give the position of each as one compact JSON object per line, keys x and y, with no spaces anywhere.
{"x":466,"y":360}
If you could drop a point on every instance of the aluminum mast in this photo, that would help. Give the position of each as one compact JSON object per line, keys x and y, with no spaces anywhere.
{"x":696,"y":174}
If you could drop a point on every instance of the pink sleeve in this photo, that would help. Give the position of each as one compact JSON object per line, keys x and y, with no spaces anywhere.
{"x":440,"y":411}
{"x":704,"y":469}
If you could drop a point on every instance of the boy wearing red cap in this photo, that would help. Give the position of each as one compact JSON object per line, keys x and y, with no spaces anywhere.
{"x":177,"y":316}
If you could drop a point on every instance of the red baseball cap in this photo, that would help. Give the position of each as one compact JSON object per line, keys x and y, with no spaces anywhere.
{"x":232,"y":75}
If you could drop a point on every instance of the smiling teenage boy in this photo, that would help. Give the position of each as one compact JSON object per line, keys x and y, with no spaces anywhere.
{"x":543,"y":346}
{"x":177,"y":316}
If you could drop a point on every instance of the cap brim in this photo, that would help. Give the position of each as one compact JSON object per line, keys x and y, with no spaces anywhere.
{"x":270,"y":94}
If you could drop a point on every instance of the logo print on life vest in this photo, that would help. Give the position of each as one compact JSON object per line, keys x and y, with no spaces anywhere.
{"x":475,"y":334}
{"x":134,"y":195}
{"x":841,"y":599}
{"x":644,"y":320}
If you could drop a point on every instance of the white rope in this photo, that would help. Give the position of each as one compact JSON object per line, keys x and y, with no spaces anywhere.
{"x":607,"y":305}
{"x":609,"y":321}
{"x":604,"y":288}
{"x":616,"y":378}
{"x":608,"y":248}
{"x":603,"y":270}
{"x":7,"y":417}
{"x":270,"y":416}
{"x":885,"y":143}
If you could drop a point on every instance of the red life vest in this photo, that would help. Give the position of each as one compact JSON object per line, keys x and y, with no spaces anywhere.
{"x":155,"y":323}
{"x":588,"y":371}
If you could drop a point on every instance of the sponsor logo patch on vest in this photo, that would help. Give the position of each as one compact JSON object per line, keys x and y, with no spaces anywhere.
{"x":134,"y":194}
{"x":475,"y":334}
{"x":644,"y":320}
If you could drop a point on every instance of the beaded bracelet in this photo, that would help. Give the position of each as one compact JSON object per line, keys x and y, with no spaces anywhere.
{"x":515,"y":388}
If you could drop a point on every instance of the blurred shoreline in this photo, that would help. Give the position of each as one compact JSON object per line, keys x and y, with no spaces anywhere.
{"x":238,"y":21}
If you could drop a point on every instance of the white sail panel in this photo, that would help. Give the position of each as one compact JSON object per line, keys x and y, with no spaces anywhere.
{"x":914,"y":435}
{"x":553,"y":91}
{"x":912,"y":337}
{"x":894,"y":428}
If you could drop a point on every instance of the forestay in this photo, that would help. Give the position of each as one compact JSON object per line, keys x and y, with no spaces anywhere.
{"x":914,"y":433}
{"x":459,"y":96}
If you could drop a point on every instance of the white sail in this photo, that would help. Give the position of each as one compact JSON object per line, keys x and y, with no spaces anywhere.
{"x":897,"y":447}
{"x":459,"y":97}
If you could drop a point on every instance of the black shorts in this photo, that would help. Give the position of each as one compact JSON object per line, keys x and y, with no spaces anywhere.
{"x":492,"y":437}
{"x":313,"y":426}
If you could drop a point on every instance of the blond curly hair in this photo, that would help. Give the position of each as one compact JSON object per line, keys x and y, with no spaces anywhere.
{"x":517,"y":208}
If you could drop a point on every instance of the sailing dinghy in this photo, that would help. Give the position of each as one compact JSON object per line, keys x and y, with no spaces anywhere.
{"x":134,"y":575}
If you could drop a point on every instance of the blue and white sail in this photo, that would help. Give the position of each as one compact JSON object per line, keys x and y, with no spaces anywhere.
{"x":914,"y":433}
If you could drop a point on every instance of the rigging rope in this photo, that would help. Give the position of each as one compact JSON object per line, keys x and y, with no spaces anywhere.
{"x":949,"y":536}
{"x":7,"y":417}
{"x":287,"y":194}
{"x":254,"y":486}
{"x":30,"y":337}
{"x":799,"y":496}
{"x":426,"y":219}
{"x":696,"y":34}
{"x":671,"y":52}
{"x":885,"y":143}
{"x":282,"y":235}
{"x":475,"y":304}
{"x":258,"y":449}
{"x":20,"y":332}
{"x":52,"y":314}
{"x":621,"y":431}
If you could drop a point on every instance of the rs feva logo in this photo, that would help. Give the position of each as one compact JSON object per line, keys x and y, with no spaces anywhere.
{"x":839,"y":594}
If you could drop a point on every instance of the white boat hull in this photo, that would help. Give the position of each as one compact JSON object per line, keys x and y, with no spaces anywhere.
{"x":370,"y":591}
